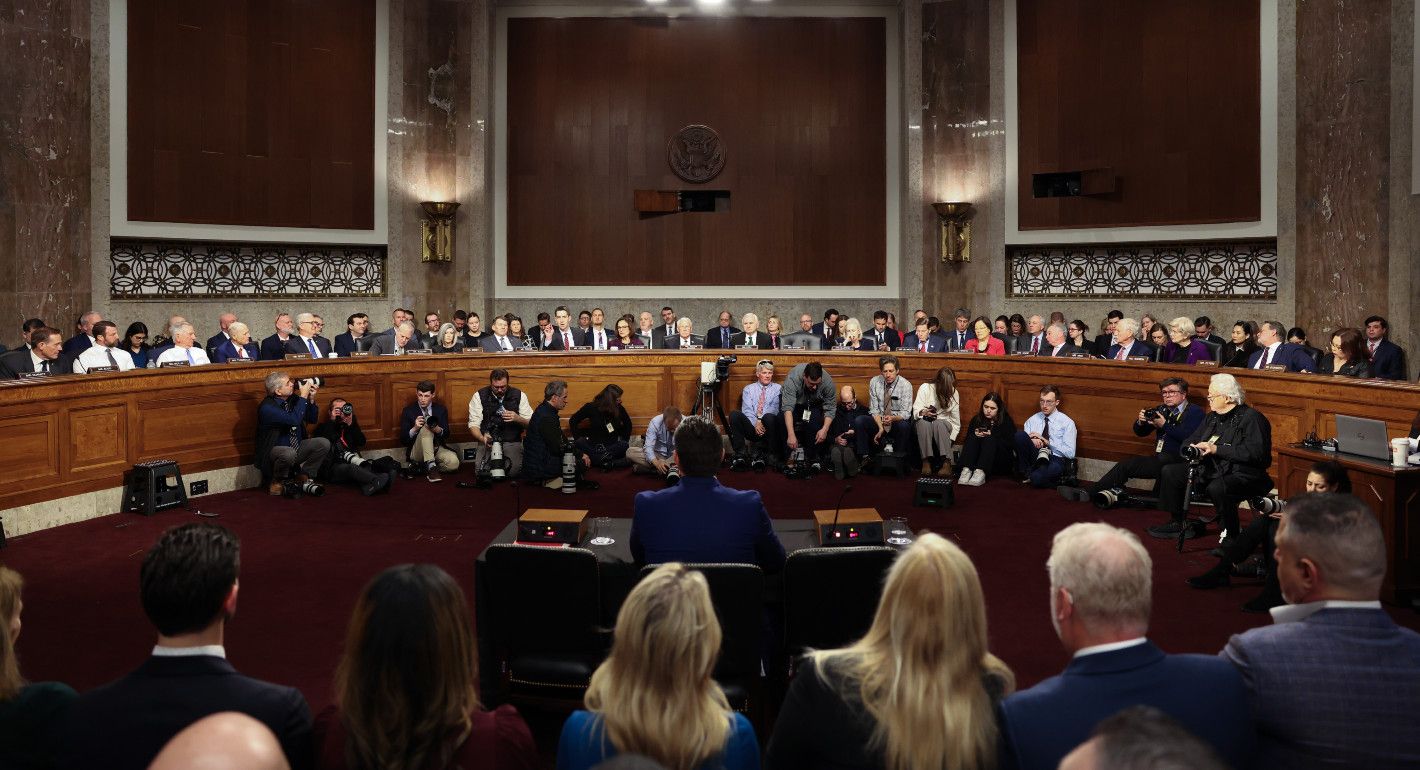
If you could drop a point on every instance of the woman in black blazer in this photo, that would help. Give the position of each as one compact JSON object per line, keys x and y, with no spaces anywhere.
{"x":1078,"y":332}
{"x":1348,"y":357}
{"x":1237,"y":350}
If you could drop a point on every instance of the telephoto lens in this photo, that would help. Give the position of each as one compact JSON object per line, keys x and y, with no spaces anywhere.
{"x":1108,"y":498}
{"x":672,"y":475}
{"x":1042,"y":457}
{"x":1269,"y":505}
{"x":347,"y":410}
{"x":1192,"y":453}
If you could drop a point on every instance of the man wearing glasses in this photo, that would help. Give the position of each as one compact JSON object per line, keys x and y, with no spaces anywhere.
{"x":1234,"y":451}
{"x":1045,"y":442}
{"x":308,"y":340}
{"x":757,"y":421}
{"x":1171,"y":422}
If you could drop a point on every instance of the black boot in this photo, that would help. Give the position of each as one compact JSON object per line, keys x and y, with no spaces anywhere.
{"x":1213,"y":578}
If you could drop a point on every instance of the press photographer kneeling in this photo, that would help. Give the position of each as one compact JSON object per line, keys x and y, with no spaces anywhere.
{"x":1171,"y":422}
{"x":281,"y":442}
{"x":1230,"y":453}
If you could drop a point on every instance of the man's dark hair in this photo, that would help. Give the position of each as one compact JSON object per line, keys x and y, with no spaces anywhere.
{"x":562,"y":309}
{"x":934,"y":321}
{"x":553,"y":388}
{"x":497,"y":374}
{"x":425,"y":386}
{"x":586,"y":313}
{"x":885,"y":360}
{"x":667,"y":307}
{"x":1203,"y":320}
{"x":699,"y":447}
{"x":1373,"y":319}
{"x":1051,"y":389}
{"x":1143,"y":736}
{"x":187,"y":575}
{"x":1114,"y":314}
{"x":1178,"y":382}
{"x":813,"y":370}
{"x":877,"y":314}
{"x":830,"y":313}
{"x":1278,"y":328}
{"x":102,"y":326}
{"x":460,"y":315}
{"x":962,"y":313}
{"x":472,"y":316}
{"x":42,"y":334}
{"x":31,"y":325}
{"x":351,"y":320}
{"x":1298,"y":332}
{"x":543,"y":316}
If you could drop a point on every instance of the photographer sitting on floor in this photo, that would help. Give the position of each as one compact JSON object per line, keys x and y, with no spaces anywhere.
{"x":424,"y":429}
{"x":1045,"y":442}
{"x":344,"y":465}
{"x":1171,"y":422}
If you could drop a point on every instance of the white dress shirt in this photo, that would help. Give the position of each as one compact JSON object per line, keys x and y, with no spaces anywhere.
{"x":98,"y":355}
{"x":194,"y":355}
{"x":1294,"y":613}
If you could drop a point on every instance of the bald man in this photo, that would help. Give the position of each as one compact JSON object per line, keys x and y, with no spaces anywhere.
{"x":224,"y":741}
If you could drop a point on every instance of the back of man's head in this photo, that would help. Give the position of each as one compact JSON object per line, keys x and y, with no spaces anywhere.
{"x":187,"y":576}
{"x":1108,"y":576}
{"x":698,"y":446}
{"x":224,"y":741}
{"x":1340,"y":536}
{"x":1142,"y":737}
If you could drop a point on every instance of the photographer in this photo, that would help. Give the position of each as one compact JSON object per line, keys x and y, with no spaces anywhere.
{"x":842,"y":447}
{"x":1171,"y":422}
{"x":1045,"y":442}
{"x":344,"y":465}
{"x":424,"y":429}
{"x":602,"y":429}
{"x":755,"y":422}
{"x":809,"y":404}
{"x":656,"y":453}
{"x":542,"y":456}
{"x":281,"y":441}
{"x":1233,"y":449}
{"x":499,"y":411}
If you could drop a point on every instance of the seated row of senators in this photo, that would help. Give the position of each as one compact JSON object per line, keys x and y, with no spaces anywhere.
{"x":97,"y":345}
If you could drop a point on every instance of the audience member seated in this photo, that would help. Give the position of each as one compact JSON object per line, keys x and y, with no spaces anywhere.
{"x":751,"y":336}
{"x":683,"y":338}
{"x":1105,"y":339}
{"x":429,"y":335}
{"x":184,"y":351}
{"x":1057,"y":343}
{"x":1158,"y":336}
{"x":657,"y":450}
{"x":1100,"y":601}
{"x":397,"y":317}
{"x":472,"y":334}
{"x":985,"y":343}
{"x":1015,"y":329}
{"x":355,"y":338}
{"x":774,"y":330}
{"x":1078,"y":335}
{"x":424,"y":430}
{"x":1298,"y":336}
{"x":543,"y":444}
{"x":237,"y":346}
{"x":1124,"y":344}
{"x":448,"y":340}
{"x":1272,"y":350}
{"x":499,"y":410}
{"x":188,"y":584}
{"x":596,"y":335}
{"x":1203,"y":330}
{"x":307,"y":340}
{"x":960,"y":334}
{"x":1171,"y":422}
{"x":666,"y":330}
{"x":937,"y":416}
{"x":1045,"y":442}
{"x":756,"y":428}
{"x":988,"y":447}
{"x":83,"y":334}
{"x":804,"y":338}
{"x":881,"y":336}
{"x":890,"y":408}
{"x":499,"y":339}
{"x":104,"y":352}
{"x":343,"y":464}
{"x":1334,"y":681}
{"x":273,"y":348}
{"x":827,"y":329}
{"x":541,"y":337}
{"x":1349,"y":356}
{"x":1183,"y":347}
{"x":1234,"y":443}
{"x":624,"y":336}
{"x":723,"y":335}
{"x":519,"y":334}
{"x":601,"y":429}
{"x":919,"y":690}
{"x":850,"y":336}
{"x":843,"y":449}
{"x":228,"y":740}
{"x":654,"y":694}
{"x":406,"y":688}
{"x":1033,"y":339}
{"x":1261,"y":534}
{"x":699,"y":520}
{"x":32,"y":714}
{"x":1240,"y":346}
{"x":923,"y":341}
{"x":400,"y":342}
{"x":1146,"y":324}
{"x":1387,"y":358}
{"x":135,"y":344}
{"x":283,"y":452}
{"x":162,"y":343}
{"x":1142,"y":737}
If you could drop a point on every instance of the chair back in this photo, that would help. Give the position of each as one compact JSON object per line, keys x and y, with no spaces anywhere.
{"x":831,"y":595}
{"x":737,"y":591}
{"x":546,"y":601}
{"x":1215,"y":349}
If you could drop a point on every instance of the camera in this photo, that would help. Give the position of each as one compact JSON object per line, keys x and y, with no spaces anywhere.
{"x":672,"y":475}
{"x":319,"y":382}
{"x":722,"y":368}
{"x":347,"y":410}
{"x":1268,"y":505}
{"x":353,"y":458}
{"x":1042,"y":457}
{"x":294,"y":489}
{"x":1109,"y":498}
{"x":1152,"y":413}
{"x":1192,"y":453}
{"x":431,"y":421}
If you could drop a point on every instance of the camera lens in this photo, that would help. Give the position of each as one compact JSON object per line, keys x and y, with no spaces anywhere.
{"x":1192,"y":453}
{"x":347,"y":410}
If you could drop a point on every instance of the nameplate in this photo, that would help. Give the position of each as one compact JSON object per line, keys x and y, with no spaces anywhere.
{"x":841,"y":347}
{"x":1138,"y":359}
{"x":1028,"y":353}
{"x":241,"y":360}
{"x":1205,"y":362}
{"x":167,"y":364}
{"x":471,"y":350}
{"x":1276,"y":367}
{"x":420,"y":352}
{"x":94,"y":369}
{"x":34,"y":375}
{"x":581,"y":347}
{"x":1078,"y":355}
{"x":297,"y":356}
{"x":359,"y":353}
{"x":746,"y":347}
{"x":791,"y":347}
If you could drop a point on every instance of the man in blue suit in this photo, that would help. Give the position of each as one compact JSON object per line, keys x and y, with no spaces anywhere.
{"x":1100,"y":580}
{"x":1272,"y":350}
{"x":1334,"y":681}
{"x":922,"y":341}
{"x":307,"y":340}
{"x":699,"y":520}
{"x":1387,"y":358}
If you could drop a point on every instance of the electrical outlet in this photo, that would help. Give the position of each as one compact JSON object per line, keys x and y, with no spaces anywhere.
{"x":470,"y":454}
{"x":197,"y":488}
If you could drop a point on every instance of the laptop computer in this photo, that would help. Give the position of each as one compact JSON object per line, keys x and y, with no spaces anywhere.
{"x":1361,"y":436}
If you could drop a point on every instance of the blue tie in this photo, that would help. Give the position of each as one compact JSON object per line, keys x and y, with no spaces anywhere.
{"x":312,"y":345}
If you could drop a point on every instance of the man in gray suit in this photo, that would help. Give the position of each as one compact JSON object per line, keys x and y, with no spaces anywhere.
{"x":1334,"y":681}
{"x":402,"y":341}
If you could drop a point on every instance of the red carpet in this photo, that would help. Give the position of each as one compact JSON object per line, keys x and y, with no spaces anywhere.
{"x":305,"y":560}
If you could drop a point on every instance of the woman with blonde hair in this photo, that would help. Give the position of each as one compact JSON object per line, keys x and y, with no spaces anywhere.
{"x":32,"y":716}
{"x":406,"y":693}
{"x":449,"y":340}
{"x":918,"y":691}
{"x":938,"y":414}
{"x":654,"y":695}
{"x":853,"y":335}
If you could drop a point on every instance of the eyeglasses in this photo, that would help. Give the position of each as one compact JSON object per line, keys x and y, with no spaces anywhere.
{"x":1171,"y":392}
{"x":765,"y":362}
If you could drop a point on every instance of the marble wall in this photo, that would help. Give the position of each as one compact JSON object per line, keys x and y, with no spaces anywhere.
{"x":44,"y":164}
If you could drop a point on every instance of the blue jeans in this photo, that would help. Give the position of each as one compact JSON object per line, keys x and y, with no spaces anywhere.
{"x":1047,"y":475}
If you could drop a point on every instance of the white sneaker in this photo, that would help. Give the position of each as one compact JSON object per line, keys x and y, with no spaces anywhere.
{"x":978,"y":478}
{"x":965,"y":478}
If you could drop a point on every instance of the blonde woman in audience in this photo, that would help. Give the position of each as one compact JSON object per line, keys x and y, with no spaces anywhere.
{"x":938,"y":418}
{"x":654,"y":695}
{"x":449,"y":340}
{"x":918,"y":691}
{"x":32,"y":716}
{"x":406,"y":693}
{"x":853,"y":336}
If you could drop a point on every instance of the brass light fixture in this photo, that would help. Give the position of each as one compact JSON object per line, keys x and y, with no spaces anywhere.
{"x":955,"y":227}
{"x":437,"y":231}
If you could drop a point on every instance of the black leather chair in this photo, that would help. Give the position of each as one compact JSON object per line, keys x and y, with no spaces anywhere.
{"x":1215,"y":349}
{"x":830,"y":596}
{"x":546,"y":631}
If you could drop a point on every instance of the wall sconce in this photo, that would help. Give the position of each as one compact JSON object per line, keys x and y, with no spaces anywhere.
{"x":955,"y":227}
{"x":438,"y":231}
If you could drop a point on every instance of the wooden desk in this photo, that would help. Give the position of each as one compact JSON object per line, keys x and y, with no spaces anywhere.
{"x":1394,"y":495}
{"x":79,"y":434}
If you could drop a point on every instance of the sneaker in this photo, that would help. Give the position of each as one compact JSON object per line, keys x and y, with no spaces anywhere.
{"x":978,"y":478}
{"x":965,"y":478}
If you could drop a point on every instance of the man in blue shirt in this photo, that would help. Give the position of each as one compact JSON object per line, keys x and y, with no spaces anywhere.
{"x":1045,"y":442}
{"x":655,"y":455}
{"x":756,"y":421}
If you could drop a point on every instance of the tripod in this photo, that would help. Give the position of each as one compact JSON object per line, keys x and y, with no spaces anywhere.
{"x":706,"y":403}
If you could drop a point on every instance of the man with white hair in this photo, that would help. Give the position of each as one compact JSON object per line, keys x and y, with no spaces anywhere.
{"x":1100,"y":601}
{"x":1057,"y":344}
{"x":1124,"y":344}
{"x":273,"y":348}
{"x":683,"y":338}
{"x":184,"y":351}
{"x":402,"y":341}
{"x":1033,"y":341}
{"x":751,"y":337}
{"x":1333,"y":681}
{"x":1234,"y":446}
{"x":307,"y":339}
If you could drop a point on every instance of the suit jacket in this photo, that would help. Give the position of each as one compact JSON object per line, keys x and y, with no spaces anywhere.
{"x":1104,"y":342}
{"x":935,"y":344}
{"x":1039,"y":726}
{"x":18,"y":361}
{"x":214,"y":342}
{"x":1139,"y":348}
{"x":715,"y":337}
{"x":659,"y":335}
{"x":298,"y":345}
{"x":1388,"y":362}
{"x":805,"y":340}
{"x":673,"y":343}
{"x":228,"y":350}
{"x":1213,"y":338}
{"x":272,"y":348}
{"x":951,"y":338}
{"x":411,"y":413}
{"x":124,"y":724}
{"x":1340,"y":687}
{"x":345,"y":344}
{"x":382,"y":345}
{"x":489,"y":343}
{"x":699,"y":521}
{"x":890,"y":336}
{"x":1065,"y":350}
{"x":77,"y":344}
{"x":1023,"y":343}
{"x":827,"y":336}
{"x":588,"y":337}
{"x":1287,"y":353}
{"x":556,"y":343}
{"x":761,"y":340}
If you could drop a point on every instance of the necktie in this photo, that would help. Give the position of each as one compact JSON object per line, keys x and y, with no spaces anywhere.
{"x":1120,"y":355}
{"x":189,"y":356}
{"x":1266,"y":359}
{"x":312,"y":345}
{"x":685,"y":342}
{"x":725,"y":337}
{"x":774,"y":341}
{"x":503,"y":343}
{"x":1034,"y":345}
{"x":44,"y":367}
{"x":111,"y":360}
{"x":961,"y":340}
{"x":566,"y":340}
{"x":759,"y":411}
{"x":922,"y":346}
{"x":1045,"y":429}
{"x":601,"y":341}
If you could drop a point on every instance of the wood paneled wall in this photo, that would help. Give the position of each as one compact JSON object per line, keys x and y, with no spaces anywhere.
{"x":1165,"y":93}
{"x":252,"y":113}
{"x":798,"y":102}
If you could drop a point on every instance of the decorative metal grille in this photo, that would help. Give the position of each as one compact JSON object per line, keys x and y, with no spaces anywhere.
{"x":1238,"y":270}
{"x":140,"y":269}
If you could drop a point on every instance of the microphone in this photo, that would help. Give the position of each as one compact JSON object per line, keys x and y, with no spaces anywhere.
{"x":833,"y":529}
